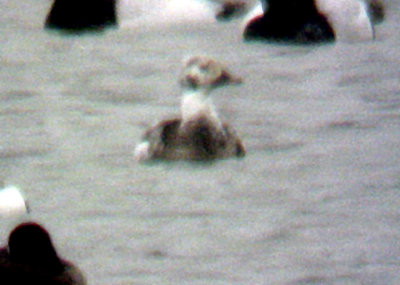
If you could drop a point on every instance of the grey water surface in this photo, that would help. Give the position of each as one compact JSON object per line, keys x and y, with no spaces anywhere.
{"x":315,"y":201}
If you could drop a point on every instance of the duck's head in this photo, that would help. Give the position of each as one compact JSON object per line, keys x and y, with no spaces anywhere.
{"x":204,"y":73}
{"x":290,"y":7}
{"x":30,"y":244}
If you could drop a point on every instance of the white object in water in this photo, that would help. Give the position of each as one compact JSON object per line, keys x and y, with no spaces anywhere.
{"x":12,"y":202}
{"x":150,"y":13}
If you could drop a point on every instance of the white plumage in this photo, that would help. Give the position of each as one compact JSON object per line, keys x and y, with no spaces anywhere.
{"x":349,"y":19}
{"x":12,"y":202}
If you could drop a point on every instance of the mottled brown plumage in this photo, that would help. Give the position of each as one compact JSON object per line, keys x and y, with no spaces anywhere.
{"x":197,"y":140}
{"x":198,"y":134}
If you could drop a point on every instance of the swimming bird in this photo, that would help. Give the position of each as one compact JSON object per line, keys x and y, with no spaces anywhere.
{"x":30,"y":258}
{"x":12,"y":203}
{"x":82,"y":15}
{"x":198,"y":133}
{"x":311,"y":21}
{"x":289,"y":21}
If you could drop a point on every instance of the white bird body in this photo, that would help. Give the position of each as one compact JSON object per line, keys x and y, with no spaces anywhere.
{"x":349,"y":18}
{"x":196,"y":104}
{"x":12,"y":203}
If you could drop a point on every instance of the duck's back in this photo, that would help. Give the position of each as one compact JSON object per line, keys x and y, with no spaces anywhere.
{"x":12,"y":273}
{"x":198,"y":139}
{"x":290,"y":21}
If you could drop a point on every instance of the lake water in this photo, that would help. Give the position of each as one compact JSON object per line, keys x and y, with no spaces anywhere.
{"x":315,"y":201}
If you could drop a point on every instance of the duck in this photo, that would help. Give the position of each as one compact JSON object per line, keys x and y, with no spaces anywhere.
{"x":78,"y":16}
{"x":289,"y":21}
{"x":12,"y":202}
{"x":313,"y":21}
{"x":30,"y":258}
{"x":198,"y":133}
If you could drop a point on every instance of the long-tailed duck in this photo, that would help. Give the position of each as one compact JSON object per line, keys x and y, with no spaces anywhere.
{"x":198,"y":134}
{"x":313,"y":21}
{"x":30,"y":258}
{"x":12,"y":202}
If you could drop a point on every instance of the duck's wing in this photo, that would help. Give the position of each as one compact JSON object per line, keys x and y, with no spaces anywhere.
{"x":198,"y":139}
{"x":157,"y":139}
{"x":210,"y":141}
{"x":163,"y":133}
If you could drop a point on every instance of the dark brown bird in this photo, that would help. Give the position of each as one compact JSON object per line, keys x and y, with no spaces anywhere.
{"x":30,"y":258}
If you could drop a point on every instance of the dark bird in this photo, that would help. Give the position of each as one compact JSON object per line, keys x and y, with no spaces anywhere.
{"x":82,"y":15}
{"x":30,"y":258}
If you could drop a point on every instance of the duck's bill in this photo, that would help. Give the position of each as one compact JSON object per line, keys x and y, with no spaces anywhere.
{"x":227,"y":78}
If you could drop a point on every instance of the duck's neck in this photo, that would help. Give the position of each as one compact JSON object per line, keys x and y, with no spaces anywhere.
{"x":197,"y":103}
